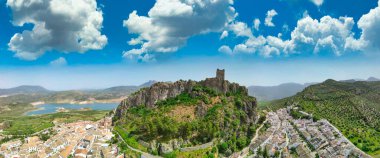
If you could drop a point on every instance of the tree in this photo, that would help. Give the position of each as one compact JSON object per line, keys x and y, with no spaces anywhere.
{"x":223,"y":147}
{"x":265,"y":153}
{"x":241,"y":142}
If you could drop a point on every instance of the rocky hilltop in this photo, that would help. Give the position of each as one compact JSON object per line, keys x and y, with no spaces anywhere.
{"x":188,"y":115}
{"x":149,"y":96}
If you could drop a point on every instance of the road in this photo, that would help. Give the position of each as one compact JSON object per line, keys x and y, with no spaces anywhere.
{"x":143,"y":154}
{"x":245,"y":151}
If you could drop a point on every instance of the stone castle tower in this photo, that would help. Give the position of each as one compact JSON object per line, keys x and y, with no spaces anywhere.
{"x":220,"y":74}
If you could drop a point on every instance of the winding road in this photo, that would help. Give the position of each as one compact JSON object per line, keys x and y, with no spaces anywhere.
{"x":245,"y":151}
{"x":143,"y":154}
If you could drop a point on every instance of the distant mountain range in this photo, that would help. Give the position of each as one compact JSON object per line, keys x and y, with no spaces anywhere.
{"x":268,"y":93}
{"x":29,"y":94}
{"x":27,"y":89}
{"x":262,"y":93}
{"x":23,"y":90}
{"x":371,"y":79}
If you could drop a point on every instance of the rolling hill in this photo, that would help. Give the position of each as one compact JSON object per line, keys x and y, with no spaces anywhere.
{"x":353,"y":107}
{"x":15,"y":101}
{"x":269,"y":93}
{"x":23,"y":90}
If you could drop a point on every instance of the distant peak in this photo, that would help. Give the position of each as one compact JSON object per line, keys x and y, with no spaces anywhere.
{"x":149,"y":83}
{"x":373,"y":79}
{"x":330,"y":80}
{"x":24,"y":89}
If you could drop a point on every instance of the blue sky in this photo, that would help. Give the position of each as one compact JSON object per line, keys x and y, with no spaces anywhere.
{"x":70,"y":44}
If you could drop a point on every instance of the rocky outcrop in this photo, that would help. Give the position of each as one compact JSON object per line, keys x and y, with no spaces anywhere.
{"x":162,"y":90}
{"x":170,"y":146}
{"x":158,"y":91}
{"x":201,"y":109}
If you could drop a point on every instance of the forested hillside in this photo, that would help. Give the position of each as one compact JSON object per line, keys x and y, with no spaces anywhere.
{"x":352,"y":107}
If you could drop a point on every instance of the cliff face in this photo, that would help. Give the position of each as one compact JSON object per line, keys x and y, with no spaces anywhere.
{"x":166,"y":116}
{"x":163,"y":90}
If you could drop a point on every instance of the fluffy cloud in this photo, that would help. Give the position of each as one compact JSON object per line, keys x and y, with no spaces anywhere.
{"x":225,"y":49}
{"x":269,"y":18}
{"x":224,"y":35}
{"x":329,"y":33}
{"x":240,"y":29}
{"x":370,"y":38}
{"x":138,"y":55}
{"x":264,"y":46}
{"x":59,"y":62}
{"x":310,"y":35}
{"x":317,"y":2}
{"x":256,"y":24}
{"x":170,"y":23}
{"x":62,"y":25}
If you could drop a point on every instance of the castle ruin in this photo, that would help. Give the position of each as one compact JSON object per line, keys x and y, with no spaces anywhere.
{"x":220,"y":74}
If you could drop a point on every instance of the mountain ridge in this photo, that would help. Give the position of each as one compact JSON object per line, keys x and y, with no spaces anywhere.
{"x":23,"y":89}
{"x":268,"y":93}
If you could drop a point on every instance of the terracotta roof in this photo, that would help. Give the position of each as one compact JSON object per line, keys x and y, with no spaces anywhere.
{"x":66,"y":152}
{"x":81,"y":151}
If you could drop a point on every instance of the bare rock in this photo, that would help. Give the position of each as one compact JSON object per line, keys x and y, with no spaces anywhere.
{"x":166,"y":148}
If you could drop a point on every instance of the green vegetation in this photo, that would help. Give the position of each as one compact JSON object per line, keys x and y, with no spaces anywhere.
{"x":263,"y":105}
{"x":128,"y":152}
{"x":198,"y":117}
{"x":354,"y":108}
{"x":15,"y":109}
{"x":28,"y":125}
{"x":203,"y":153}
{"x":130,"y":140}
{"x":183,"y":99}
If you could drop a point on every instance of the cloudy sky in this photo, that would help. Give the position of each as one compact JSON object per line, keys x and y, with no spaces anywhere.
{"x":71,"y":44}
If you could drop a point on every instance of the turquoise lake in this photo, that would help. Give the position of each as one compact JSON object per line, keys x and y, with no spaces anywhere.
{"x":52,"y":108}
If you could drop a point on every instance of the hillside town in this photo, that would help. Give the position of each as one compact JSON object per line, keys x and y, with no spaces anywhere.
{"x":79,"y":139}
{"x":286,"y":136}
{"x":281,"y":135}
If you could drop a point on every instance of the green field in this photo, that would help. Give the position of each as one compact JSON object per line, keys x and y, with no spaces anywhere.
{"x":27,"y":125}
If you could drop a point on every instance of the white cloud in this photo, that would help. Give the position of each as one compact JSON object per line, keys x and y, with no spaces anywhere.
{"x":224,"y":35}
{"x":170,"y":23}
{"x":256,"y":24}
{"x":240,"y":29}
{"x":317,"y":2}
{"x":370,"y":25}
{"x":309,"y":36}
{"x":269,"y":18}
{"x":59,"y":62}
{"x":225,"y":49}
{"x":62,"y":25}
{"x":138,"y":55}
{"x":267,"y":51}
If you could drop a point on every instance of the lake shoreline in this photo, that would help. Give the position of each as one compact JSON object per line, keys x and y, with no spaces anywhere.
{"x":49,"y":108}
